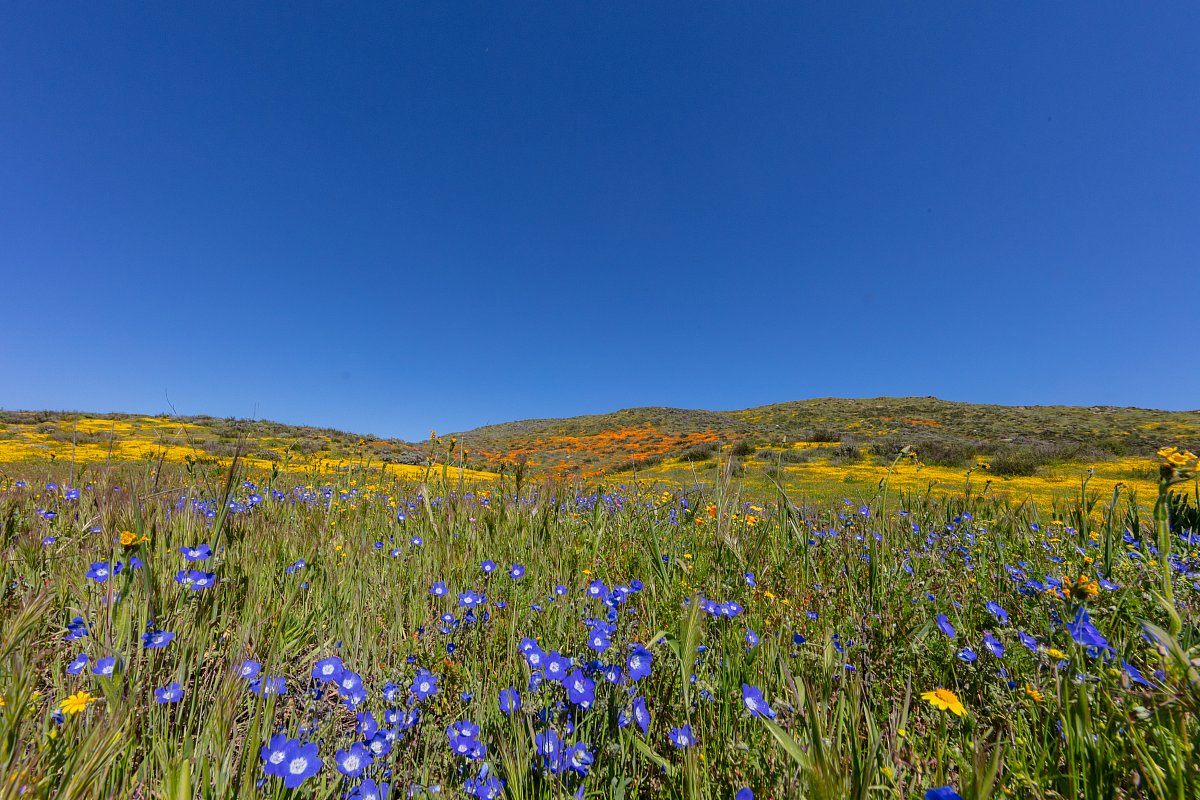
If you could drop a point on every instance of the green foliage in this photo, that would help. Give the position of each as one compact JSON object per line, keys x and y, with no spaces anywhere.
{"x":743,"y":449}
{"x":850,"y":722}
{"x":1016,"y":462}
{"x":845,"y":454}
{"x":1184,"y":513}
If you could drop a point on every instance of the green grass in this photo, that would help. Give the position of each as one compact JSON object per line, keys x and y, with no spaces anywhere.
{"x":851,"y":721}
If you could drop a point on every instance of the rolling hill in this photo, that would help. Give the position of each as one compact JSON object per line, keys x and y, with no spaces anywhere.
{"x":1016,"y":440}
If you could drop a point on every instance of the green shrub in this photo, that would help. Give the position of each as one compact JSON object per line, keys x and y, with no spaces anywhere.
{"x":1016,"y":462}
{"x":698,"y":452}
{"x":801,"y":456}
{"x":743,"y":449}
{"x":845,"y":454}
{"x":948,"y":454}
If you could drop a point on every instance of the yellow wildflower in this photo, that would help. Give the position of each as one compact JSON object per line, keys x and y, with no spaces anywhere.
{"x":946,"y":700}
{"x":1055,"y":653}
{"x":77,"y":702}
{"x":1083,"y":588}
{"x":1034,"y":694}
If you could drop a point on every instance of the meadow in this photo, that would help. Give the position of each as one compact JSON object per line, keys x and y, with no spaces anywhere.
{"x":172,"y":629}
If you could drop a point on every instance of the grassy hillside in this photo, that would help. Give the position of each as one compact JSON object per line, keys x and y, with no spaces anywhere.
{"x":72,"y":437}
{"x":1018,"y":438}
{"x":828,"y":447}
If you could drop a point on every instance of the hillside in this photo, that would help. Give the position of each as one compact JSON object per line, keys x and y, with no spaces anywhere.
{"x":90,"y":438}
{"x":1018,"y":438}
{"x":841,"y":433}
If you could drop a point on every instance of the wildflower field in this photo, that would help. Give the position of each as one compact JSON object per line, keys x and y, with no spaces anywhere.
{"x":170,"y":631}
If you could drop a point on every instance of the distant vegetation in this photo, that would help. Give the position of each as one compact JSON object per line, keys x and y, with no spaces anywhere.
{"x":1015,"y":440}
{"x":818,"y":445}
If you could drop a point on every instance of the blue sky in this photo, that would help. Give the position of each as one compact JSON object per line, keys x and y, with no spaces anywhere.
{"x":400,"y":217}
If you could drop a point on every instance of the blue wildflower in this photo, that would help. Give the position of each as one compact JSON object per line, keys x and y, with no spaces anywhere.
{"x":424,"y":684}
{"x":171,"y":693}
{"x":510,"y":701}
{"x":641,"y":714}
{"x":752,"y":698}
{"x":195,"y":579}
{"x":638,"y":665}
{"x":557,"y":666}
{"x":579,"y":759}
{"x":101,"y":571}
{"x":682,"y":737}
{"x":157,"y":639}
{"x":581,"y":690}
{"x":352,"y":761}
{"x":945,"y":792}
{"x":197,"y":553}
{"x":549,"y":750}
{"x":274,"y":753}
{"x":328,"y":669}
{"x":302,"y":763}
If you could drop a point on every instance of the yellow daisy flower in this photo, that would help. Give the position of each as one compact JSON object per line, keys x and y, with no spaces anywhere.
{"x":945,"y":700}
{"x":77,"y":702}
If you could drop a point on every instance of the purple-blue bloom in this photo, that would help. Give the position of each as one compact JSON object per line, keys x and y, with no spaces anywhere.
{"x":510,"y":701}
{"x":198,"y":553}
{"x":682,"y":737}
{"x":157,"y":639}
{"x":638,"y":665}
{"x":171,"y":693}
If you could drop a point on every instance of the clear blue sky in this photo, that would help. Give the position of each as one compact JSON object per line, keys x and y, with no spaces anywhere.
{"x":414,"y":215}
